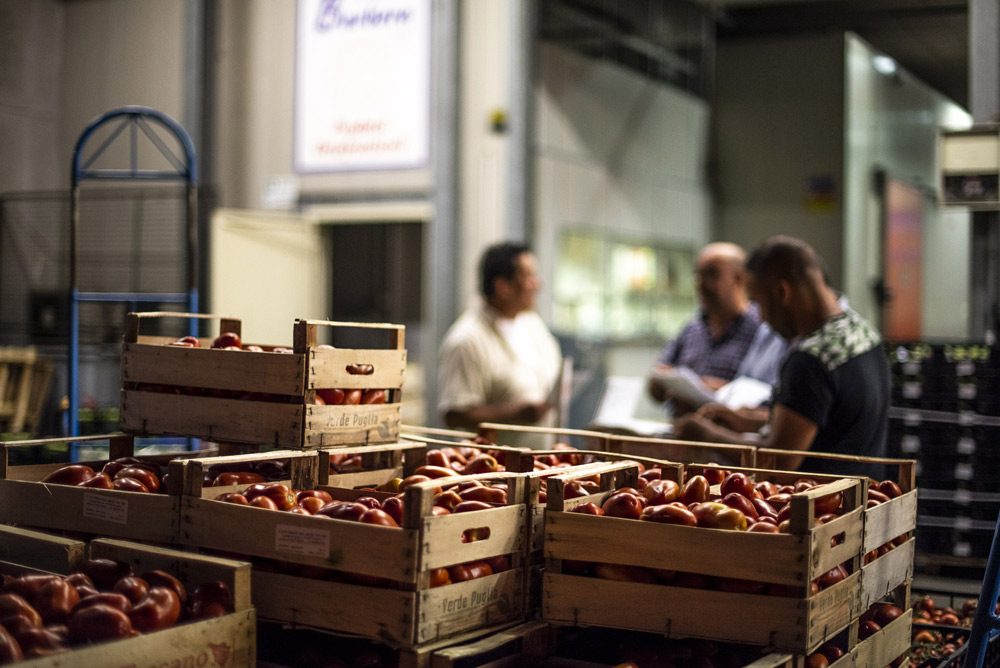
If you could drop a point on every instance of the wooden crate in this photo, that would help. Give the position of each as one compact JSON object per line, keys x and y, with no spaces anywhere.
{"x":405,"y":614}
{"x":222,"y":642}
{"x":882,"y":523}
{"x":258,"y":397}
{"x":639,"y":446}
{"x":886,"y":645}
{"x":41,"y":550}
{"x":796,"y":623}
{"x":25,"y":500}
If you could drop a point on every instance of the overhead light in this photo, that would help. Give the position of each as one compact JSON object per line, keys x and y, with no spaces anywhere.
{"x":884,"y":65}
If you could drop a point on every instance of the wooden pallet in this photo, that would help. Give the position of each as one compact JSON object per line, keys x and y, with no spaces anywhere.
{"x":404,"y":613}
{"x":185,"y":380}
{"x":222,"y":642}
{"x":25,"y":500}
{"x":796,"y":623}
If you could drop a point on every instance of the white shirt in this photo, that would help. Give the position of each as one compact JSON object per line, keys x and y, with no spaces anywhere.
{"x":486,"y":359}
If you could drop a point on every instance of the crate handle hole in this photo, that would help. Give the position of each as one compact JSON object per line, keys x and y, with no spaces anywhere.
{"x":475,"y":535}
{"x":360,"y":369}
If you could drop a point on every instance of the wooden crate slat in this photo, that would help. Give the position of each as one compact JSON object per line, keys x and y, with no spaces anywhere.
{"x":338,"y":425}
{"x":784,"y":623}
{"x":246,"y":371}
{"x":884,"y":574}
{"x":823,"y":555}
{"x":153,"y":517}
{"x":366,"y":611}
{"x":256,"y":422}
{"x":328,"y":368}
{"x":779,"y":558}
{"x":890,"y":520}
{"x":222,"y":642}
{"x":884,"y":646}
{"x":443,"y":546}
{"x":43,"y":551}
{"x":301,"y":539}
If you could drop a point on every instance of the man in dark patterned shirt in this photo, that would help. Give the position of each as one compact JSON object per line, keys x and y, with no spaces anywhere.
{"x":833,"y":392}
{"x":713,"y":344}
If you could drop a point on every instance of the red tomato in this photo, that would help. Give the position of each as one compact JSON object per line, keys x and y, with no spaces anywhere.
{"x":588,"y":509}
{"x":73,"y":474}
{"x":55,"y":600}
{"x":380,"y":517}
{"x":343,"y":510}
{"x":764,"y":509}
{"x":670,"y":513}
{"x":817,"y":660}
{"x":373,"y":397}
{"x":133,"y":588}
{"x":117,"y":601}
{"x":36,"y":643}
{"x":130,"y":485}
{"x":158,"y":610}
{"x":482,"y":463}
{"x":885,"y":613}
{"x":265,"y":502}
{"x":737,"y":483}
{"x":742,"y":504}
{"x":803,"y":484}
{"x":825,"y":505}
{"x":352,"y":397}
{"x":623,"y":572}
{"x":147,"y":478}
{"x":471,"y":506}
{"x":439,"y":577}
{"x":163,"y":579}
{"x":868,"y":629}
{"x":104,"y":573}
{"x":623,"y":504}
{"x":333,"y":396}
{"x":14,"y":605}
{"x":763,"y":526}
{"x":695,"y":490}
{"x":890,"y":489}
{"x":10,"y":650}
{"x":228,"y":340}
{"x":211,"y":599}
{"x":233,"y":497}
{"x":469,"y":571}
{"x":714,"y":475}
{"x":715,"y":515}
{"x":394,"y":506}
{"x":435,"y":471}
{"x":659,"y":492}
{"x":493,"y":495}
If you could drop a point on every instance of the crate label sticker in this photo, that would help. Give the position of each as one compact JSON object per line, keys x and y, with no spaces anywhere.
{"x":963,"y":471}
{"x":99,"y":507}
{"x":910,"y":443}
{"x":967,"y":391}
{"x":966,"y":445}
{"x":911,"y":390}
{"x":305,"y":542}
{"x":965,"y":369}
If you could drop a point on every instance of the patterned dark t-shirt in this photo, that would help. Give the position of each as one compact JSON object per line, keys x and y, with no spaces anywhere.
{"x":838,"y":378}
{"x":696,"y":348}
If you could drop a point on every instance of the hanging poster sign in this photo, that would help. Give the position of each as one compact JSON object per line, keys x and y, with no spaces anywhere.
{"x":362,"y":85}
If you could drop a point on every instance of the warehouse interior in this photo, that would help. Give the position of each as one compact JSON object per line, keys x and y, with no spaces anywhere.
{"x":616,"y":137}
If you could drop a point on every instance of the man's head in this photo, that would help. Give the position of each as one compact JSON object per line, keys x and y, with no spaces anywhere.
{"x":785,"y":277}
{"x":508,"y":278}
{"x":720,"y":279}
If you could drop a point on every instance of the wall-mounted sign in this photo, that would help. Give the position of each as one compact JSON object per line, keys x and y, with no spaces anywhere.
{"x":362,"y":85}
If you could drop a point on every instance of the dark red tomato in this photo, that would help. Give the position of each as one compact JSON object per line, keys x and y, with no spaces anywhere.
{"x":373,"y":397}
{"x":669,"y":513}
{"x":14,"y":605}
{"x":482,"y":463}
{"x":764,"y":509}
{"x":111,"y":599}
{"x":99,"y":481}
{"x":817,"y":660}
{"x":104,"y":573}
{"x":766,"y":488}
{"x":55,"y":600}
{"x":98,"y":623}
{"x":343,"y":510}
{"x":158,"y":610}
{"x":317,"y":493}
{"x":228,"y":340}
{"x":130,"y":485}
{"x":394,"y":506}
{"x":133,"y":588}
{"x":73,"y":474}
{"x":737,"y":483}
{"x":233,"y":497}
{"x":469,"y":571}
{"x":230,"y":478}
{"x":868,"y":629}
{"x":623,"y":504}
{"x":147,"y":478}
{"x":379,"y":517}
{"x":439,"y":577}
{"x":890,"y":489}
{"x":742,"y":504}
{"x":10,"y":650}
{"x":695,"y":490}
{"x":763,"y":526}
{"x":659,"y":492}
{"x":332,"y":396}
{"x":79,"y":579}
{"x":264,"y":502}
{"x":448,"y":500}
{"x":588,"y":509}
{"x":885,"y":613}
{"x":352,"y":397}
{"x":493,"y":495}
{"x":211,"y":599}
{"x":714,"y":475}
{"x":803,"y":484}
{"x":471,"y":506}
{"x":36,"y":643}
{"x":824,"y":505}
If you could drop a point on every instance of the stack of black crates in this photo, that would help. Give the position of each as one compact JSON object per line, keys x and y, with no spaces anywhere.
{"x":946,"y":415}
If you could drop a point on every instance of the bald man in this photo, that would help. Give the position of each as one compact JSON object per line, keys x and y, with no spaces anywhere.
{"x":833,"y":393}
{"x":715,"y":343}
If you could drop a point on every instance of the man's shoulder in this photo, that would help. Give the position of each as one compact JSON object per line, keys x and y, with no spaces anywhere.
{"x":841,"y":339}
{"x":468,"y":328}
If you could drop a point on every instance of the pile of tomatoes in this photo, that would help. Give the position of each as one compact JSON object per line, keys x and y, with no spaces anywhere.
{"x":323,"y":397}
{"x":930,"y":641}
{"x":41,"y":615}
{"x":127,"y":474}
